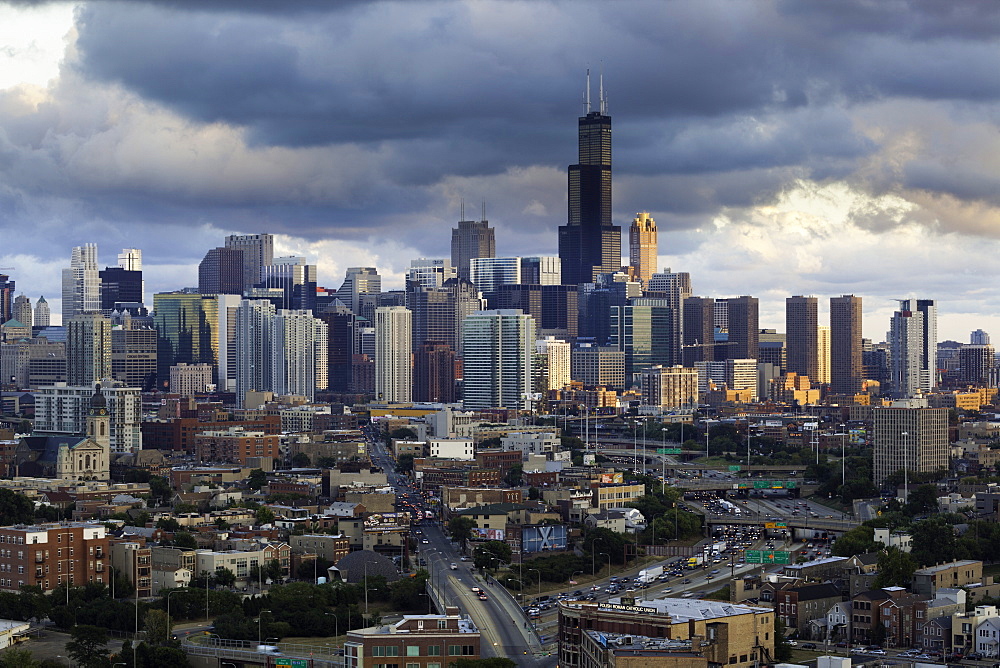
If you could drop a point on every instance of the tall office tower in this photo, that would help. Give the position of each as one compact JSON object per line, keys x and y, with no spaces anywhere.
{"x":558,"y":356}
{"x":359,"y":282}
{"x":434,"y":372}
{"x":771,"y":348}
{"x":913,"y":347}
{"x":22,"y":311}
{"x":846,"y":371}
{"x":555,"y":308}
{"x":295,"y":279}
{"x":977,"y":364}
{"x":81,"y":283}
{"x":471,"y":239}
{"x":909,"y":437}
{"x":823,"y":354}
{"x":133,"y":355}
{"x":221,"y":272}
{"x":43,"y":315}
{"x":698,"y":330}
{"x":497,"y":361}
{"x":254,"y":340}
{"x":341,"y":333}
{"x":598,"y":366}
{"x":802,"y":348}
{"x":541,"y":270}
{"x":293,"y":353}
{"x":642,"y":247}
{"x":979,"y":338}
{"x":670,"y":387}
{"x":130,"y":259}
{"x":187,"y":326}
{"x":489,"y":273}
{"x":675,"y":287}
{"x":321,"y":353}
{"x":88,"y":349}
{"x":119,"y":286}
{"x":393,"y":354}
{"x":744,"y":329}
{"x":595,"y":300}
{"x":225,"y":328}
{"x":742,"y":375}
{"x":438,"y":313}
{"x":426,"y":273}
{"x":6,"y":298}
{"x":643,"y":330}
{"x":33,"y":363}
{"x":589,"y":244}
{"x":876,"y":362}
{"x":258,"y":251}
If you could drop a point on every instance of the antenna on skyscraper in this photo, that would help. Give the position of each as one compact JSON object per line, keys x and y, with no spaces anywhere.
{"x":484,"y":212}
{"x":603,"y":100}
{"x":463,"y":210}
{"x":586,"y":98}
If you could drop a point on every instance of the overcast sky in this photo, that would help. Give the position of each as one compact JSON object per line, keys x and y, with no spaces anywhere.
{"x":799,"y":147}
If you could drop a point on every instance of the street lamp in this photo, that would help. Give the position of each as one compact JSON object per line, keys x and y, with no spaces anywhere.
{"x":260,"y":619}
{"x":539,"y":579}
{"x":609,"y":560}
{"x":169,"y":593}
{"x":336,"y":623}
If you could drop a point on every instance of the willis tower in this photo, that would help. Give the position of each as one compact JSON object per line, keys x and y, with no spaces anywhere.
{"x":589,"y":244}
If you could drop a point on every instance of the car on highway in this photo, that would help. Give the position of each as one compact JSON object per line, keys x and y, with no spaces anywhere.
{"x":454,"y":566}
{"x":476,"y":590}
{"x":482,"y":596}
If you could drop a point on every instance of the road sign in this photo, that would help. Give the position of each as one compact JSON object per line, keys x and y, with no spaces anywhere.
{"x":767,"y":557}
{"x":668,"y":451}
{"x":775,"y":525}
{"x":282,"y":662}
{"x":735,"y":468}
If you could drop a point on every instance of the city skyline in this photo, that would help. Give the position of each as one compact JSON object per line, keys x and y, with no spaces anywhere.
{"x":857,"y":169}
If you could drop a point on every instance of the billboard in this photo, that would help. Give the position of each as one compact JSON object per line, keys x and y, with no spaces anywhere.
{"x":487,"y":534}
{"x":543,"y":538}
{"x":612,"y":478}
{"x":387,"y":522}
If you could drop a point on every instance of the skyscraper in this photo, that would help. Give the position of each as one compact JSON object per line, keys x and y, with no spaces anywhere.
{"x":977,"y":364}
{"x":7,"y":299}
{"x":81,"y":283}
{"x":427,"y":273}
{"x":744,"y":327}
{"x":133,"y":355}
{"x":846,"y":374}
{"x":498,"y":348}
{"x":913,"y":347}
{"x":187,"y":326}
{"x":22,"y":311}
{"x":120,"y":286}
{"x":296,"y":280}
{"x":254,"y":340}
{"x":802,"y":349}
{"x":541,"y":270}
{"x":393,"y":354}
{"x":698,"y":330}
{"x":642,"y":247}
{"x":221,"y":272}
{"x":341,"y":334}
{"x":434,"y":372}
{"x":823,"y":354}
{"x":979,"y":338}
{"x":911,"y":438}
{"x":589,"y":244}
{"x":293,"y":352}
{"x":359,"y":282}
{"x":258,"y":251}
{"x":487,"y":274}
{"x":471,"y":239}
{"x":88,"y":349}
{"x":559,"y":361}
{"x":43,"y":315}
{"x":644,"y":331}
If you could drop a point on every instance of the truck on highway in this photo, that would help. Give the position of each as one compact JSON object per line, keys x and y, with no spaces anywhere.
{"x":695,"y":561}
{"x":719,"y":547}
{"x":647,"y":575}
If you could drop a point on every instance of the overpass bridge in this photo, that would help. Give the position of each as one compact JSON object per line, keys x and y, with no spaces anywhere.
{"x":795,"y":523}
{"x":215,"y":651}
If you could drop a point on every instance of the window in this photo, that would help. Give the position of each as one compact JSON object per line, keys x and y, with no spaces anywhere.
{"x":454,"y":650}
{"x":442,"y":623}
{"x":412,"y":650}
{"x":434,"y":650}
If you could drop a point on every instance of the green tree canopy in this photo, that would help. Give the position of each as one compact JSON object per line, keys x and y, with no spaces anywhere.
{"x":490,"y":553}
{"x":301,"y":460}
{"x":88,"y":646}
{"x":895,"y":568}
{"x":256,"y":479}
{"x":461,"y":527}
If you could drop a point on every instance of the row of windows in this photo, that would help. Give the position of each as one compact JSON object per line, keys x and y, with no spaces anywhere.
{"x":432,"y":650}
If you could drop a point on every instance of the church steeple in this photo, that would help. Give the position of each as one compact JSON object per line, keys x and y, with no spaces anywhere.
{"x":99,"y":421}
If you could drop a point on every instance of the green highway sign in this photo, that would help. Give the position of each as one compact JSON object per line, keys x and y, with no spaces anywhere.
{"x":282,"y":662}
{"x":668,"y":451}
{"x":767,"y":557}
{"x":737,"y":467}
{"x":765,"y":484}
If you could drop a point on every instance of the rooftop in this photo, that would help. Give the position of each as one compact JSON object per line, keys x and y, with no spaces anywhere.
{"x":943,"y":567}
{"x":679,"y":609}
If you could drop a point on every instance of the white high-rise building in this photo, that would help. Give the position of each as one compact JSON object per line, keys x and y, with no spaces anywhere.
{"x":393,"y":355}
{"x":909,"y":436}
{"x":497,"y":367}
{"x":253,"y":346}
{"x":489,"y":273}
{"x":823,"y":353}
{"x":558,"y":354}
{"x":430,"y":273}
{"x":43,"y":315}
{"x":359,"y":281}
{"x":81,"y":283}
{"x":130,"y":259}
{"x":293,"y":353}
{"x":23,"y":312}
{"x":541,"y":270}
{"x":913,"y":347}
{"x":258,"y":251}
{"x":322,"y":354}
{"x":64,"y":408}
{"x":226,"y":327}
{"x":88,"y":349}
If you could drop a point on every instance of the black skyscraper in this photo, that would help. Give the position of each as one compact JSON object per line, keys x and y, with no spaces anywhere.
{"x":120,"y":286}
{"x":589,"y":244}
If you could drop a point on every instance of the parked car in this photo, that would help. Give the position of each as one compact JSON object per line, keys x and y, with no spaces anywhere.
{"x":808,"y":645}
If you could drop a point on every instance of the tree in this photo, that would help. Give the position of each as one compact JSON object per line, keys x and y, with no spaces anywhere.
{"x":225,"y":577}
{"x":461,"y":528}
{"x":405,"y":463}
{"x":88,"y":645}
{"x":168,"y":524}
{"x":489,"y":553}
{"x":922,"y":500}
{"x":264,"y":515}
{"x":17,"y":657}
{"x":15,"y":508}
{"x":301,"y":460}
{"x":157,"y":627}
{"x":256,"y":479}
{"x":185,"y":539}
{"x":895,"y":568}
{"x":782,"y":650}
{"x":403,"y":434}
{"x":513,"y":476}
{"x":856,"y":541}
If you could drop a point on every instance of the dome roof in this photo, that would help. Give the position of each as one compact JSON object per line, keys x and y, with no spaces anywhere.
{"x":98,"y":400}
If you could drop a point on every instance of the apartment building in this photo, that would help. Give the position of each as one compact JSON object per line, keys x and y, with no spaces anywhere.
{"x":418,"y":641}
{"x":49,"y":555}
